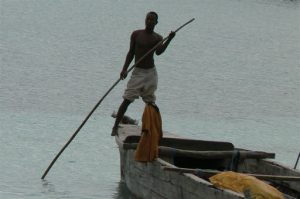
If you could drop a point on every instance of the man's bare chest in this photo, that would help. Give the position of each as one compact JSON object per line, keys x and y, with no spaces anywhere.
{"x":146,"y":41}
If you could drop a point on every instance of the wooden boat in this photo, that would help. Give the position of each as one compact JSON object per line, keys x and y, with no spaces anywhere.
{"x":181,"y":170}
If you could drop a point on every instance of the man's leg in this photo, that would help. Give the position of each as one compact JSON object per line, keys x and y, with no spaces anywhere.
{"x":122,"y":109}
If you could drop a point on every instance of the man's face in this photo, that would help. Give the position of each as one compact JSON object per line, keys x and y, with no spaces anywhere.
{"x":150,"y":21}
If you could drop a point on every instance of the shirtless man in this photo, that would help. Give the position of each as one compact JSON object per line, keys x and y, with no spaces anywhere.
{"x":143,"y":81}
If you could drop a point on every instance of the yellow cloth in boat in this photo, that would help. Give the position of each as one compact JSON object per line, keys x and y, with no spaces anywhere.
{"x":241,"y":182}
{"x":147,"y":149}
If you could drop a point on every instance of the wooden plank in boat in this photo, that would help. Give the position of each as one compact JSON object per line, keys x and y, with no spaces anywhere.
{"x":169,"y":151}
{"x":131,"y":134}
{"x":214,"y":154}
{"x":188,"y":144}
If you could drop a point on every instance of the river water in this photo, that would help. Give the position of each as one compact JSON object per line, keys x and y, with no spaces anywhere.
{"x":231,"y":75}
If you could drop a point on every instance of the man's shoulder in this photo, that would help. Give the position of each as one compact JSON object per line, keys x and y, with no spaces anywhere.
{"x":158,"y":36}
{"x":136,"y":32}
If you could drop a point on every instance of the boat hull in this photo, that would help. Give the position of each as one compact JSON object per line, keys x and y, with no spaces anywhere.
{"x":150,"y":180}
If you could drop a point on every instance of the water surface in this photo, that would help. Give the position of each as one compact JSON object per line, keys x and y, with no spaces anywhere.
{"x":231,"y":75}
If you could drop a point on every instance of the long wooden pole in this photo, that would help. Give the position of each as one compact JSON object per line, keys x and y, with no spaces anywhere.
{"x":99,"y":102}
{"x":297,"y":161}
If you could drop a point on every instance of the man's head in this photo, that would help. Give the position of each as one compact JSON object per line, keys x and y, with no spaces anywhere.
{"x":151,"y":20}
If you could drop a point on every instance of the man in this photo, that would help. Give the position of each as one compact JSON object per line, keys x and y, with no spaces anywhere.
{"x":143,"y":81}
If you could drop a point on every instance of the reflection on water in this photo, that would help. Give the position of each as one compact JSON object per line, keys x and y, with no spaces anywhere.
{"x":123,"y":192}
{"x":47,"y":187}
{"x":49,"y":190}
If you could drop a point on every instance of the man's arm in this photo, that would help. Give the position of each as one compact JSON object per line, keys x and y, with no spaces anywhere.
{"x":129,"y":57}
{"x":164,"y":46}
